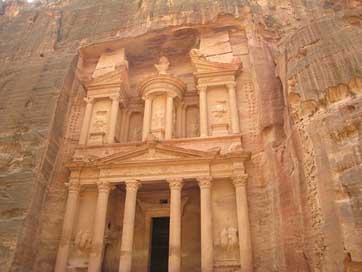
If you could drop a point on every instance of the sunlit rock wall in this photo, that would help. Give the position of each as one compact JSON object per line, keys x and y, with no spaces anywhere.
{"x":300,"y":99}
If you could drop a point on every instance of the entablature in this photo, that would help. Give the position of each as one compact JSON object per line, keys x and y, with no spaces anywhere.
{"x":156,"y":161}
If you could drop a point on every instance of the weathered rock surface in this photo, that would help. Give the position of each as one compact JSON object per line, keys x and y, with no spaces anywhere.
{"x":300,"y":98}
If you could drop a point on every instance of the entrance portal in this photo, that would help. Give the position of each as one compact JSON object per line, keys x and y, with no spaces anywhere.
{"x":160,"y":241}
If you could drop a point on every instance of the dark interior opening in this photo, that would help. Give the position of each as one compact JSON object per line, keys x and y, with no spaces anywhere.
{"x":159,"y":244}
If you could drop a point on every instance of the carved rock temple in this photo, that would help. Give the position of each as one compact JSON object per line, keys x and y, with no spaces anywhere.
{"x":181,"y":136}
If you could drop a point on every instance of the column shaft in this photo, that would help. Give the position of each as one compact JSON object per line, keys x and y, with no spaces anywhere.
{"x":179,"y":121}
{"x":234,"y":116}
{"x":174,"y":257}
{"x":146,"y":119}
{"x":86,"y":122}
{"x":126,"y":125}
{"x":125,"y":262}
{"x":113,"y":119}
{"x":96,"y":254}
{"x":246,"y":261}
{"x":169,"y":118}
{"x":183,"y":121}
{"x":68,"y":223}
{"x":121,"y":117}
{"x":203,"y":112}
{"x":207,"y":246}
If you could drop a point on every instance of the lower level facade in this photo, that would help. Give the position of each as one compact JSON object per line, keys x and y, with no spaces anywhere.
{"x":157,"y":206}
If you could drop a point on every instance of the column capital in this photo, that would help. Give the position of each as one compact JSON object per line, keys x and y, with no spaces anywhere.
{"x":201,"y":88}
{"x":73,"y":186}
{"x":231,"y":85}
{"x":115,"y":97}
{"x":132,"y":185}
{"x":175,"y":183}
{"x":240,"y":180}
{"x":204,"y":182}
{"x":89,"y":100}
{"x":104,"y":186}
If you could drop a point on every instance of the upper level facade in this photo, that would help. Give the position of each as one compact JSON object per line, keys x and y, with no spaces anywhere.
{"x":187,"y":98}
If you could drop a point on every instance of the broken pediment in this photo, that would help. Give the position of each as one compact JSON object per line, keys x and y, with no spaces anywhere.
{"x":155,"y":152}
{"x":110,"y":61}
{"x":119,"y":76}
{"x":204,"y":66}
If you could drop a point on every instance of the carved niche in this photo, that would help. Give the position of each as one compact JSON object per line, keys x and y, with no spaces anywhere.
{"x":135,"y":127}
{"x":99,"y":122}
{"x":218,"y":111}
{"x":192,"y":121}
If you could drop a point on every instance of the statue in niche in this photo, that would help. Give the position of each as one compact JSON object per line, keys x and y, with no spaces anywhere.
{"x":194,"y":129}
{"x":158,"y":120}
{"x":219,"y":111}
{"x":100,"y":122}
{"x":137,"y":134}
{"x":162,"y":66}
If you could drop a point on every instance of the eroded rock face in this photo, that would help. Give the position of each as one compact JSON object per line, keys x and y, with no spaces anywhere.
{"x":299,"y":104}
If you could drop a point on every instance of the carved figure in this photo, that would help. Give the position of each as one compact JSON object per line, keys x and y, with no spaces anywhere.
{"x":229,"y":238}
{"x":224,"y":238}
{"x":162,"y":66}
{"x":158,"y":120}
{"x":194,"y":129}
{"x":83,"y":240}
{"x":219,"y":110}
{"x":232,"y":237}
{"x":100,"y":121}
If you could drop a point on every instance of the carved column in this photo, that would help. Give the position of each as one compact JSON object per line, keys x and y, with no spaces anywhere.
{"x":126,"y":125}
{"x":203,"y":111}
{"x":169,"y":117}
{"x":179,"y":121}
{"x":86,"y":121}
{"x":183,"y":123}
{"x":113,"y":119}
{"x":122,"y":121}
{"x":146,"y":118}
{"x":125,"y":262}
{"x":246,"y":261}
{"x":68,"y":223}
{"x":233,"y":105}
{"x":207,"y":246}
{"x":96,"y":254}
{"x":174,"y":256}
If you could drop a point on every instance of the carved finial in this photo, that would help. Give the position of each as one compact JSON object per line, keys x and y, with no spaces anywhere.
{"x":162,"y":66}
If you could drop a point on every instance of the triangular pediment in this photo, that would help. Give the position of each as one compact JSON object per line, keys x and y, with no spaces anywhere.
{"x":155,"y":153}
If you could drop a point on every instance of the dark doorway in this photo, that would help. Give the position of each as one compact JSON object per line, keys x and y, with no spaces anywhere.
{"x":159,"y":244}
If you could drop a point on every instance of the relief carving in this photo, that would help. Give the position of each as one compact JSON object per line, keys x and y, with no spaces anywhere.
{"x":100,"y":122}
{"x":158,"y":119}
{"x":162,"y":66}
{"x":83,"y":241}
{"x":229,"y":238}
{"x":219,"y":111}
